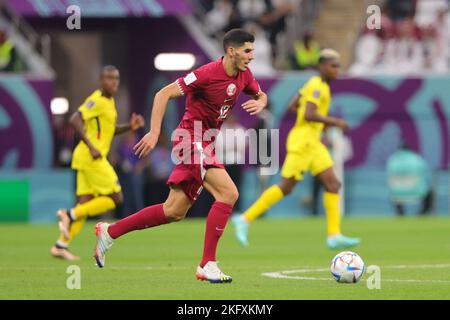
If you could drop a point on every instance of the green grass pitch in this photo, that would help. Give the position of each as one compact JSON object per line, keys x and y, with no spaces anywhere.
{"x":413,"y":254}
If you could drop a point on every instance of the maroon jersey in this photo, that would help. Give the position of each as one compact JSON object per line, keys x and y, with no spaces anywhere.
{"x":211,"y":94}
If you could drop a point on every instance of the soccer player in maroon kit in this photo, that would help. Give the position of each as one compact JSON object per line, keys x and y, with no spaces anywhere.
{"x":211,"y":91}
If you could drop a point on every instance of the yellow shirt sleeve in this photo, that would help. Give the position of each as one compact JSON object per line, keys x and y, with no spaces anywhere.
{"x":91,"y":108}
{"x":313,"y":91}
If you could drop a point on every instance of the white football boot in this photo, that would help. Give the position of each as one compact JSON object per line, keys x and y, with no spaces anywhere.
{"x":103,"y":243}
{"x":211,"y":272}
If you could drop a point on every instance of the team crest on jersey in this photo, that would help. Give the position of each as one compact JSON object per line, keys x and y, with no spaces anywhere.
{"x":90,"y":104}
{"x":316,"y":94}
{"x":231,"y":90}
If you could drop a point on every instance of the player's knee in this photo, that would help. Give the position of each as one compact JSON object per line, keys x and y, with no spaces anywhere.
{"x":286,"y":188}
{"x":333,"y":186}
{"x":118,"y":198}
{"x":229,"y":196}
{"x":176,"y":216}
{"x":174,"y":212}
{"x":234,"y":195}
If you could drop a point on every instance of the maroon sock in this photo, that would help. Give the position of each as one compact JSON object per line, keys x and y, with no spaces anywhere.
{"x":146,"y":218}
{"x":215,"y":225}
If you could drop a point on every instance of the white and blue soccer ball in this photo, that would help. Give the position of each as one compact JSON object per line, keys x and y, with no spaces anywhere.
{"x":347,"y":267}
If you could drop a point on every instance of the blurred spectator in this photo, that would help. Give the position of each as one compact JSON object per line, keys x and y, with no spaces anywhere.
{"x":129,"y":170}
{"x":409,"y":180}
{"x":417,"y":40}
{"x":274,"y":19}
{"x":436,"y":40}
{"x":230,"y":149}
{"x":64,"y":138}
{"x":306,"y":52}
{"x":251,"y":10}
{"x":402,"y":8}
{"x":207,"y":5}
{"x":369,"y":50}
{"x":218,"y":18}
{"x":426,"y":11}
{"x":371,"y":45}
{"x":9,"y":60}
{"x":404,"y":53}
{"x":262,"y":63}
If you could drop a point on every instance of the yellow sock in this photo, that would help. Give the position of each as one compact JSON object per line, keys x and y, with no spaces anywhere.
{"x":332,"y":212}
{"x":265,"y":201}
{"x":75,"y":229}
{"x":93,"y":207}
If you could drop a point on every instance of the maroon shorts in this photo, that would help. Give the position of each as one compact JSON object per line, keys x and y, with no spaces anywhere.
{"x":190,"y":172}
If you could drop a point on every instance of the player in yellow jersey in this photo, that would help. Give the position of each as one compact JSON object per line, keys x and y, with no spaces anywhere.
{"x":305,"y":152}
{"x":98,"y":188}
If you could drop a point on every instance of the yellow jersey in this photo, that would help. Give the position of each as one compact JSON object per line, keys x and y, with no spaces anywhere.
{"x":100,"y":116}
{"x":316,"y":91}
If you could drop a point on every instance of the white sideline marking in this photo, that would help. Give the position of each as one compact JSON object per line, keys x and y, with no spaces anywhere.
{"x":286,"y":274}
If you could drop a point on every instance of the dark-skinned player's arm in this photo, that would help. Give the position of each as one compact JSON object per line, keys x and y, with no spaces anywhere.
{"x":311,"y":114}
{"x":257,"y":104}
{"x":148,"y":142}
{"x":76,"y":120}
{"x":293,"y":104}
{"x":136,"y":121}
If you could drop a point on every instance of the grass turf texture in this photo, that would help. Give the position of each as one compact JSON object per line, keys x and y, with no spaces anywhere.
{"x":160,"y":263}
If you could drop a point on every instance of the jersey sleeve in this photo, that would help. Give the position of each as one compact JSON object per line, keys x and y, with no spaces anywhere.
{"x":193,"y":81}
{"x":91,"y":108}
{"x":313,"y":92}
{"x":252,"y":88}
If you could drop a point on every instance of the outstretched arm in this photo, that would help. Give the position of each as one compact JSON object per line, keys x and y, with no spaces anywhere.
{"x":311,"y":114}
{"x":136,"y":122}
{"x":148,"y":142}
{"x":257,"y":104}
{"x":78,"y":124}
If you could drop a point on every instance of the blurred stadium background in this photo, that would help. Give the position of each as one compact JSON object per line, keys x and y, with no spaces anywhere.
{"x":394,"y":90}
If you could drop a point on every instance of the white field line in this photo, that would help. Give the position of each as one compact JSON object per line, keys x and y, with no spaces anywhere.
{"x":287,"y":274}
{"x":28,"y":268}
{"x":112,"y":267}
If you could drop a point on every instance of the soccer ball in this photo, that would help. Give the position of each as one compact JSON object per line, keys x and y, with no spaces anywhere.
{"x":347,"y":267}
